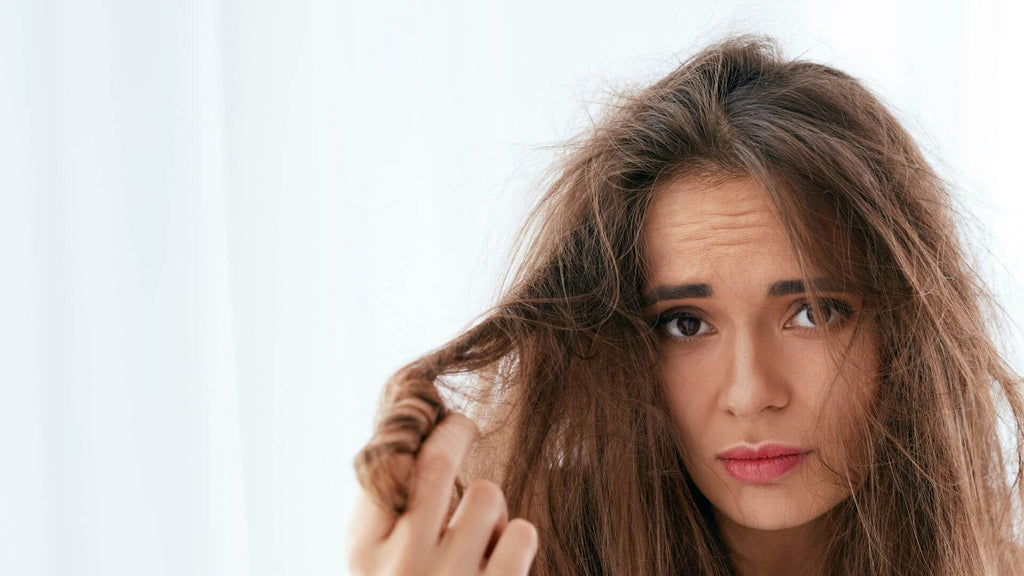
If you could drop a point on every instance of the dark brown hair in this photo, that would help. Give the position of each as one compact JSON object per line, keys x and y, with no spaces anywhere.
{"x":560,"y":373}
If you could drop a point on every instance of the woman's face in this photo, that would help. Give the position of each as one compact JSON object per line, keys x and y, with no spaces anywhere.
{"x":740,"y":355}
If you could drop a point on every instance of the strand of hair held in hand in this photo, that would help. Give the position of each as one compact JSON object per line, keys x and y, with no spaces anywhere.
{"x":413,"y":407}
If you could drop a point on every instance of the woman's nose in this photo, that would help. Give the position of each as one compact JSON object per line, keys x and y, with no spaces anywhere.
{"x":755,"y":380}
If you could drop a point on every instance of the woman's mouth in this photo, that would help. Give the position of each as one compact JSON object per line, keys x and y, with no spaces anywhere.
{"x":761,"y":464}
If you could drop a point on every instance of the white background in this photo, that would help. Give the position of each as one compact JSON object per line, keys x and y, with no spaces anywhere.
{"x":225,"y":224}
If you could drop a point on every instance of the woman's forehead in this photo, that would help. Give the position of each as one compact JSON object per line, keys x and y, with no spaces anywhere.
{"x":727,"y":236}
{"x":691,"y":221}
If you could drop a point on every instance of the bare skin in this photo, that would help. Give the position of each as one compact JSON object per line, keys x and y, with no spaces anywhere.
{"x":478,"y":539}
{"x":785,"y":552}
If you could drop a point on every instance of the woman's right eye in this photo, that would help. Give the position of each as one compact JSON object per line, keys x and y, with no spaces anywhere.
{"x":680,"y":325}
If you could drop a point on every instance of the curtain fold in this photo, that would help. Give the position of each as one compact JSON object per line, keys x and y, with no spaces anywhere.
{"x":120,"y":425}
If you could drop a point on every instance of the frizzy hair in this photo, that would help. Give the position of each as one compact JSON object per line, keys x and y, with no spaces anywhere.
{"x":560,"y":374}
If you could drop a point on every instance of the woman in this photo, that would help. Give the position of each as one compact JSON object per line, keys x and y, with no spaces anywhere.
{"x":745,"y":339}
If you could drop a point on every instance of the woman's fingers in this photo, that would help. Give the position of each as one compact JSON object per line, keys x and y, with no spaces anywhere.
{"x":475,"y":527}
{"x":365,"y":526}
{"x":515,"y":550}
{"x":370,"y":523}
{"x":437,"y":464}
{"x":479,"y":536}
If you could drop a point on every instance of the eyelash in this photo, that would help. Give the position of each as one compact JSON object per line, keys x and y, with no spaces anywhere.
{"x":844,"y":309}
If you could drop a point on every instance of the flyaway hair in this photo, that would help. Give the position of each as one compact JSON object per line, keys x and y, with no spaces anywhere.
{"x":560,"y":374}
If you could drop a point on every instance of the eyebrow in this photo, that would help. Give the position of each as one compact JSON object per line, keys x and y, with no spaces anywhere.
{"x":776,"y":290}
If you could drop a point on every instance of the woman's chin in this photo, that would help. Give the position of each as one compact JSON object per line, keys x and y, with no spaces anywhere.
{"x":767,"y":512}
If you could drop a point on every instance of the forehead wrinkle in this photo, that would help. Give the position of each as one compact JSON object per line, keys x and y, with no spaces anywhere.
{"x":728,"y":235}
{"x":750,"y":217}
{"x":690,"y":223}
{"x":745,"y":211}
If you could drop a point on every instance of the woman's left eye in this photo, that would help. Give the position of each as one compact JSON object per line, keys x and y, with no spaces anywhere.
{"x":832,"y":308}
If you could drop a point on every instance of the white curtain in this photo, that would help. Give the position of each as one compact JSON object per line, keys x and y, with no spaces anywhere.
{"x":225,"y":223}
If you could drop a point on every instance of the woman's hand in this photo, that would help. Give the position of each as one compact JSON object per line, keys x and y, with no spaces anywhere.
{"x":479,"y":538}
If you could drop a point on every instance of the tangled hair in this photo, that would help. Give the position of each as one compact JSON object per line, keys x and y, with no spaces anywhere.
{"x":561,"y":374}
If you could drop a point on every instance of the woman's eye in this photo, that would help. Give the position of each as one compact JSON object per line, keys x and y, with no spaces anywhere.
{"x":684,"y":326}
{"x":827,"y":313}
{"x":681,"y":325}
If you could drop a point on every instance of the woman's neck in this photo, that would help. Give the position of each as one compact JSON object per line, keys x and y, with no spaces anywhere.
{"x":790,"y":551}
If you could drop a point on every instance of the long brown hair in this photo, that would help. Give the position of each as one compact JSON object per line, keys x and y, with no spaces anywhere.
{"x":561,"y":376}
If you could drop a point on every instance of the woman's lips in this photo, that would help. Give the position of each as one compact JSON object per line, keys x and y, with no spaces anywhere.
{"x":762,"y":464}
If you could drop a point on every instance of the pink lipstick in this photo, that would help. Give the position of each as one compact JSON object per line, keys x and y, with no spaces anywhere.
{"x":763,"y":463}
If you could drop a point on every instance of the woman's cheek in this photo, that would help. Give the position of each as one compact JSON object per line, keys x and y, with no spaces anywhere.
{"x":691,"y":409}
